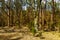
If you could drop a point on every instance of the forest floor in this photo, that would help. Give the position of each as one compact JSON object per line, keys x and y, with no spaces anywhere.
{"x":27,"y":35}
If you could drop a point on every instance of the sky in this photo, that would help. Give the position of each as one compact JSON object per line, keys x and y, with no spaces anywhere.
{"x":24,"y":7}
{"x":44,"y":0}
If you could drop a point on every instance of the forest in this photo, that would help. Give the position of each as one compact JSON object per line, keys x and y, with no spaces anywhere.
{"x":29,"y":16}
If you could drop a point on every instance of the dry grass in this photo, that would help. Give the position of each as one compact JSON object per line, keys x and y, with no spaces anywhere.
{"x":22,"y":36}
{"x":26,"y":35}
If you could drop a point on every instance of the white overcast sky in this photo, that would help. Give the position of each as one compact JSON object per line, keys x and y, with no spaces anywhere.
{"x":44,"y":0}
{"x":51,"y":0}
{"x":25,"y":7}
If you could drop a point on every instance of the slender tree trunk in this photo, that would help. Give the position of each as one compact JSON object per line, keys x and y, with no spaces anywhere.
{"x":17,"y":12}
{"x":39,"y":15}
{"x":53,"y":14}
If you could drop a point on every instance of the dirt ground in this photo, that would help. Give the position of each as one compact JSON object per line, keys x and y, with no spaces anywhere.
{"x":22,"y":36}
{"x":17,"y":35}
